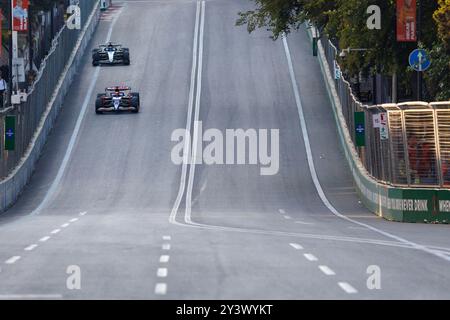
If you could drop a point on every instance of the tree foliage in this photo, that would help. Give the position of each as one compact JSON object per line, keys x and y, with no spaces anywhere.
{"x":345,"y":21}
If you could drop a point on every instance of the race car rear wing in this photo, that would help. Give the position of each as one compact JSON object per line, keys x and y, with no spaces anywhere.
{"x":120,"y":88}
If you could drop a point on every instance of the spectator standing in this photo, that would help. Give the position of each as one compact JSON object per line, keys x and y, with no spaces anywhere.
{"x":3,"y":87}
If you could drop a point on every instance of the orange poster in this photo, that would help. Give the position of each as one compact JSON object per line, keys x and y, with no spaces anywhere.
{"x":406,"y":20}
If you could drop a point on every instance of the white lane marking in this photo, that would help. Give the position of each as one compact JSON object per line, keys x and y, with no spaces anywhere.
{"x":195,"y":140}
{"x":167,"y":238}
{"x":187,"y":145}
{"x":310,"y":257}
{"x":55,"y":231}
{"x":166,"y":246}
{"x":313,"y":172}
{"x":62,"y":168}
{"x":162,"y":272}
{"x":296,"y":246}
{"x":327,"y":270}
{"x":73,"y":220}
{"x":164,"y":259}
{"x":44,"y":239}
{"x":29,"y":296}
{"x":13,"y":260}
{"x":347,"y":287}
{"x":281,"y":211}
{"x":31,"y":247}
{"x":305,"y":223}
{"x":287,"y":217}
{"x":161,"y":288}
{"x":65,"y":225}
{"x":83,"y":213}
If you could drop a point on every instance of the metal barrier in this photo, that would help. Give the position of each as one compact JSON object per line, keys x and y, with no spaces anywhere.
{"x":29,"y":114}
{"x":410,"y":148}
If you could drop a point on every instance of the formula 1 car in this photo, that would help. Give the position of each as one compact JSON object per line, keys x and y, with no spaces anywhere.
{"x":110,"y":54}
{"x":117,"y":99}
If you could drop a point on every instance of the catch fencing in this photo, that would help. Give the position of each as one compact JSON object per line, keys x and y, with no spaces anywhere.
{"x":28,"y":115}
{"x":406,"y":144}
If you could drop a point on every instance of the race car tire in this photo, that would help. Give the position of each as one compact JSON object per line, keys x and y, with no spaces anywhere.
{"x":95,"y":58}
{"x":135,"y":101}
{"x":126,"y":57}
{"x":98,"y":103}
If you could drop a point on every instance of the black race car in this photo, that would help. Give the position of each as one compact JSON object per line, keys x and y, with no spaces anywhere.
{"x":110,"y":54}
{"x":117,"y":99}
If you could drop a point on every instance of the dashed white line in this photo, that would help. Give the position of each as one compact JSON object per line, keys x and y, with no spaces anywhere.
{"x":164,"y":259}
{"x":73,"y":220}
{"x":55,"y":231}
{"x":29,"y":296}
{"x":296,"y":246}
{"x":167,"y":238}
{"x":83,"y":213}
{"x":13,"y":260}
{"x":166,"y":246}
{"x":65,"y":225}
{"x":281,"y":211}
{"x":327,"y":270}
{"x":31,"y":247}
{"x":161,"y":288}
{"x":162,"y":272}
{"x":347,"y":287}
{"x":44,"y":239}
{"x":310,"y":257}
{"x":302,"y":222}
{"x":287,"y":217}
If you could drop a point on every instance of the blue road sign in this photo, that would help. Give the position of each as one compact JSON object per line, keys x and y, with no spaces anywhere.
{"x":419,"y":60}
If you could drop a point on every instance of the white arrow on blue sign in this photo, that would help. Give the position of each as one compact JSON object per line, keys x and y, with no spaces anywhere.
{"x":419,"y":60}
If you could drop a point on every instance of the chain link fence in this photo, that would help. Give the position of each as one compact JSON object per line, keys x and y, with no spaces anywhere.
{"x":406,"y":144}
{"x":28,"y":115}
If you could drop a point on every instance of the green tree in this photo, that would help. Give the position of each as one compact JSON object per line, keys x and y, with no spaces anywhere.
{"x":345,"y":21}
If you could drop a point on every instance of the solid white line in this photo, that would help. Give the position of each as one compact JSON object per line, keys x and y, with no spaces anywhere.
{"x":296,"y":246}
{"x":162,"y":272}
{"x":347,"y":287}
{"x":166,"y":246}
{"x":313,"y":172}
{"x":12,"y":260}
{"x":327,"y":270}
{"x":55,"y":231}
{"x":161,"y":288}
{"x":54,"y":186}
{"x":310,"y":257}
{"x":31,"y":247}
{"x":187,"y":145}
{"x":65,"y":225}
{"x":164,"y":259}
{"x":167,"y":238}
{"x":73,"y":220}
{"x":44,"y":239}
{"x":187,"y":217}
{"x":29,"y":296}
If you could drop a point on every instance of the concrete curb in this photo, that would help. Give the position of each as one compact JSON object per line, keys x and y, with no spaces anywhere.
{"x":12,"y":186}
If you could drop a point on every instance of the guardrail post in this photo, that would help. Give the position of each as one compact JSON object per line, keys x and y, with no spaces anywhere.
{"x":405,"y":148}
{"x":438,"y":148}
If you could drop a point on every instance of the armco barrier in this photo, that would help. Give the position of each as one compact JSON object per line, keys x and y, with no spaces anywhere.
{"x":13,"y":184}
{"x":391,"y":203}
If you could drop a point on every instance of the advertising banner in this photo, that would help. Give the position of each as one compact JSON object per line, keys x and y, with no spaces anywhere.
{"x":406,"y":20}
{"x":20,"y":15}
